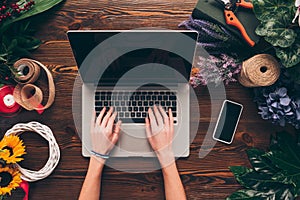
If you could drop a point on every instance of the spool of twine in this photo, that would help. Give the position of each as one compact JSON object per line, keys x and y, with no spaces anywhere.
{"x":259,"y":70}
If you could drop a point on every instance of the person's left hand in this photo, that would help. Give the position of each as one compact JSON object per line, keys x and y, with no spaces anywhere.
{"x":104,"y":133}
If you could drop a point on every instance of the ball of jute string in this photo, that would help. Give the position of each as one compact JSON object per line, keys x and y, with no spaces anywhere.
{"x":54,"y":152}
{"x":259,"y":70}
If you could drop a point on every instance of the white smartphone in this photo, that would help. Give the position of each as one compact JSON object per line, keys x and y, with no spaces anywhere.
{"x":227,"y":121}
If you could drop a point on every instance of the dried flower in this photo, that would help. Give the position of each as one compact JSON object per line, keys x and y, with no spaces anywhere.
{"x":215,"y":38}
{"x":215,"y":70}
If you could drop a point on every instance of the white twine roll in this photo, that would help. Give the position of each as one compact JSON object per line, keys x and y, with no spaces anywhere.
{"x":54,"y":152}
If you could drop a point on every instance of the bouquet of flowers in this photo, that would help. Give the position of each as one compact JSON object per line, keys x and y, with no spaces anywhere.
{"x":16,"y":35}
{"x":11,"y":152}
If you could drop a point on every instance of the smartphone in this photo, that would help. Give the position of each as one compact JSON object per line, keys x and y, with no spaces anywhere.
{"x":227,"y":121}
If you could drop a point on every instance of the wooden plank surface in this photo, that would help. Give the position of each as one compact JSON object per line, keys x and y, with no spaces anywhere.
{"x":207,"y":178}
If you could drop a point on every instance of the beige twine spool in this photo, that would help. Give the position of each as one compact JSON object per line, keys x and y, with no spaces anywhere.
{"x":259,"y":70}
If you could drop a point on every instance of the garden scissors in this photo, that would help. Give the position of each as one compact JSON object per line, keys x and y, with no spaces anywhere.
{"x":231,"y":19}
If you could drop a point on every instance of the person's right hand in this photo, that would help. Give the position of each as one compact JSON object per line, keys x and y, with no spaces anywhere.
{"x":160,"y":132}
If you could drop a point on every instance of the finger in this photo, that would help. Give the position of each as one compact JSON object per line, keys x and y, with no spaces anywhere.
{"x":115,"y":138}
{"x":152,"y":119}
{"x":110,"y":122}
{"x":158,"y":116}
{"x":93,"y":119}
{"x":107,"y":116}
{"x":99,"y":118}
{"x":164,"y":115}
{"x":148,"y":128}
{"x":171,"y":123}
{"x":118,"y":127}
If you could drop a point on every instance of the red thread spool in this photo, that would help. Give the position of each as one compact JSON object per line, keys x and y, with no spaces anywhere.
{"x":8,"y":105}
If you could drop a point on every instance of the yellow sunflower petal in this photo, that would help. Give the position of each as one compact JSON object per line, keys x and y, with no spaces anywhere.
{"x":6,"y":188}
{"x":14,"y":146}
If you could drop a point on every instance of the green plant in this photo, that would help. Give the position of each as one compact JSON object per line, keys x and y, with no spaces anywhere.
{"x":277,"y":28}
{"x":16,"y":36}
{"x":275,"y":173}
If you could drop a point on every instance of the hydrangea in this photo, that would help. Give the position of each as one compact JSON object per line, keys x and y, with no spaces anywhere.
{"x":280,"y":102}
{"x":215,"y":70}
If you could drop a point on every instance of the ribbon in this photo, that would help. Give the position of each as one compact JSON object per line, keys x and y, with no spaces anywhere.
{"x":8,"y":105}
{"x":28,"y":95}
{"x":25,"y":186}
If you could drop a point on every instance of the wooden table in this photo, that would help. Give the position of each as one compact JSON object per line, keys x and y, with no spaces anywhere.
{"x":207,"y":178}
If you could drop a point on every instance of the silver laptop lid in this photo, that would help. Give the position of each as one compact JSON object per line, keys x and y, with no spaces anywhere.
{"x":105,"y":56}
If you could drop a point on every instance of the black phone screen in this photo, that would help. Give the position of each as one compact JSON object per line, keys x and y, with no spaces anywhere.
{"x":227,"y":122}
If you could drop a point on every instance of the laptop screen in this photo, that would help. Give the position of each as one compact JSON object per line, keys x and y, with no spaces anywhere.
{"x":107,"y":56}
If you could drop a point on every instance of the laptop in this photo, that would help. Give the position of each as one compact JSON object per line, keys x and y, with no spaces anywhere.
{"x":132,"y":71}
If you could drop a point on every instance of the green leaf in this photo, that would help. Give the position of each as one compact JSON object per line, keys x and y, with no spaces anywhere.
{"x":258,"y":181}
{"x":39,"y":7}
{"x":285,"y":154}
{"x":276,"y":173}
{"x":28,"y":42}
{"x":277,"y":31}
{"x":276,"y":27}
{"x":12,"y":45}
{"x":289,"y":56}
{"x":264,"y":182}
{"x":247,"y":194}
{"x":261,"y":163}
{"x":239,"y":170}
{"x":269,"y":9}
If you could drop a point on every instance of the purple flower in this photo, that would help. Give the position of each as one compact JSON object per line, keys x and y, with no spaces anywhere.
{"x":215,"y":70}
{"x":280,"y":102}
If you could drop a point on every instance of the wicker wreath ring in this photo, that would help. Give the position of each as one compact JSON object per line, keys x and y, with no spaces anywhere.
{"x":54,"y":152}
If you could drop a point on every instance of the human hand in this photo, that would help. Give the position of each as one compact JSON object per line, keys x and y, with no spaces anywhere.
{"x":160,"y":132}
{"x":103,"y":132}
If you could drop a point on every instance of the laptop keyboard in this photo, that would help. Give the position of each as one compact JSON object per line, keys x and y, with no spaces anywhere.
{"x":132,"y":106}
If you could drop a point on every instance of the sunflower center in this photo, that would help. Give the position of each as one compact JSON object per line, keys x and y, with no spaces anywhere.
{"x":2,"y":163}
{"x":5,"y":179}
{"x":11,"y":152}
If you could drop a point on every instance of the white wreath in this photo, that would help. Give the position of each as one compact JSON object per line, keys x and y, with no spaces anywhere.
{"x":54,"y":152}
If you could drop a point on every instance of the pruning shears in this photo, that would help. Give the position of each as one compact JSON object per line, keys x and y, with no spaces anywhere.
{"x":232,"y":20}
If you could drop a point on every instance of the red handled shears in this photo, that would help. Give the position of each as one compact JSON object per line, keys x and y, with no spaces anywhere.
{"x":231,"y":19}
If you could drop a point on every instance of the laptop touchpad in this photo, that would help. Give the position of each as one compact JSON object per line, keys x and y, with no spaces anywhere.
{"x":136,"y":145}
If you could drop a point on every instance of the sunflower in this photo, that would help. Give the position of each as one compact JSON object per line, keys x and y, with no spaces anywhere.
{"x":9,"y":179}
{"x":12,"y":149}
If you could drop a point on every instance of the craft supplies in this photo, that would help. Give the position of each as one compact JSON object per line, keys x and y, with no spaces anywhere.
{"x":259,"y":70}
{"x":28,"y":95}
{"x":8,"y":105}
{"x":54,"y":152}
